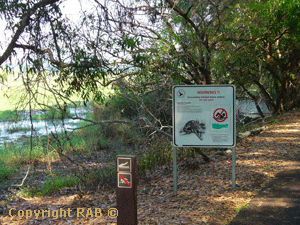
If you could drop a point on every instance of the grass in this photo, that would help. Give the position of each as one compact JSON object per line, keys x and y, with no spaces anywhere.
{"x":13,"y":156}
{"x":49,"y":187}
{"x":13,"y":93}
{"x":245,"y":206}
{"x":17,"y":155}
{"x":11,"y":116}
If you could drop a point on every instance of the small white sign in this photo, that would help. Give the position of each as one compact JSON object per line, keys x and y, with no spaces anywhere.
{"x":124,"y":165}
{"x":124,"y":180}
{"x":204,"y":116}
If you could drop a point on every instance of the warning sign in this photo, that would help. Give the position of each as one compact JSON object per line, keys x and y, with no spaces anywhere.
{"x":220,"y":115}
{"x":204,"y":116}
{"x":124,"y":180}
{"x":124,"y":165}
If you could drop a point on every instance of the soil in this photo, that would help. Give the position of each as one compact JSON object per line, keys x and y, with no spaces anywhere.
{"x":205,"y":194}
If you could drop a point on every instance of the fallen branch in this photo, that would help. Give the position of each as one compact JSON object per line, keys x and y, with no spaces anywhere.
{"x":222,"y":152}
{"x":155,"y":128}
{"x":249,"y":133}
{"x":20,"y":185}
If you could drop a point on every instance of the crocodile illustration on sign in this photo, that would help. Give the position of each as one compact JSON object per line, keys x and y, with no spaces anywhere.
{"x":194,"y":126}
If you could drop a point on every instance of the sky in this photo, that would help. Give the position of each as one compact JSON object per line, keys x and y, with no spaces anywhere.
{"x":70,"y":9}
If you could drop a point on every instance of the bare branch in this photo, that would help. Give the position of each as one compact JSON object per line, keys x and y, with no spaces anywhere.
{"x":156,"y":128}
{"x":45,"y":51}
{"x":23,"y":23}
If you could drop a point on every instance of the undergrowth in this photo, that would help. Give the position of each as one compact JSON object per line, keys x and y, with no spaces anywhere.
{"x":50,"y":186}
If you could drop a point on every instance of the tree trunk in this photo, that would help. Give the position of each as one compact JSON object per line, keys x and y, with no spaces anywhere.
{"x":266,"y":95}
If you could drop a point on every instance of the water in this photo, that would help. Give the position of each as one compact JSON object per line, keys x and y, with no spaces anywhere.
{"x":246,"y":107}
{"x":40,"y":127}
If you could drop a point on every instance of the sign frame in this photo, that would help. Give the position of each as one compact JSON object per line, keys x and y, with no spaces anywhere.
{"x":180,"y":95}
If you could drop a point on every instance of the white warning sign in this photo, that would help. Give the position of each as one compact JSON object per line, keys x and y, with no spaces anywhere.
{"x":204,"y":116}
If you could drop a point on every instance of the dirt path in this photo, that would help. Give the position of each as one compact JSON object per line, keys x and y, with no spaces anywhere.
{"x":204,"y":190}
{"x":277,"y":203}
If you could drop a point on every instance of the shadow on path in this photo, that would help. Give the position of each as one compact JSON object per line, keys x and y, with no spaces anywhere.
{"x":277,"y":203}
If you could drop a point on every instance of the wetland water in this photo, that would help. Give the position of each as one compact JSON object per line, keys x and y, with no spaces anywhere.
{"x":13,"y":131}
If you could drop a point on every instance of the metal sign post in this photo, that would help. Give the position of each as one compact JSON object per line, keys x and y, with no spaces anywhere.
{"x":233,"y":168}
{"x":126,"y":190}
{"x":175,"y":170}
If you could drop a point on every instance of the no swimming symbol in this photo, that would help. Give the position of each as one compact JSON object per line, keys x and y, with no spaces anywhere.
{"x":220,"y":115}
{"x":124,"y":180}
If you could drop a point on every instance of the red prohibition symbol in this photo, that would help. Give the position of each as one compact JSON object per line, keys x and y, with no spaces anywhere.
{"x":124,"y":180}
{"x":220,"y":115}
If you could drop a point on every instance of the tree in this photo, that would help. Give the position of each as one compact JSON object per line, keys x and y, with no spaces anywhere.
{"x":147,"y":46}
{"x":263,"y":52}
{"x":31,"y":17}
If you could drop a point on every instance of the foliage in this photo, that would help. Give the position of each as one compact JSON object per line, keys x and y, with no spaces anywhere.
{"x":6,"y":171}
{"x":260,"y":53}
{"x":157,"y":155}
{"x":251,"y":44}
{"x":50,"y":186}
{"x":9,"y":115}
{"x":288,"y":15}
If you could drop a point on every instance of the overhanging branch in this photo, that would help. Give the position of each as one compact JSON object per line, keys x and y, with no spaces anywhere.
{"x":23,"y":23}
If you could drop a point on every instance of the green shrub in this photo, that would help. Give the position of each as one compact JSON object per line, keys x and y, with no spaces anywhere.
{"x":6,"y":171}
{"x":158,"y":155}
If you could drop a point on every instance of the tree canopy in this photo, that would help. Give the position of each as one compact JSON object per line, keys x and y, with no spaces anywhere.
{"x":149,"y":45}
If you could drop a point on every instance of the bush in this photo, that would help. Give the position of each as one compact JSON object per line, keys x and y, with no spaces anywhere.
{"x":94,"y":179}
{"x":6,"y":171}
{"x":157,"y":155}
